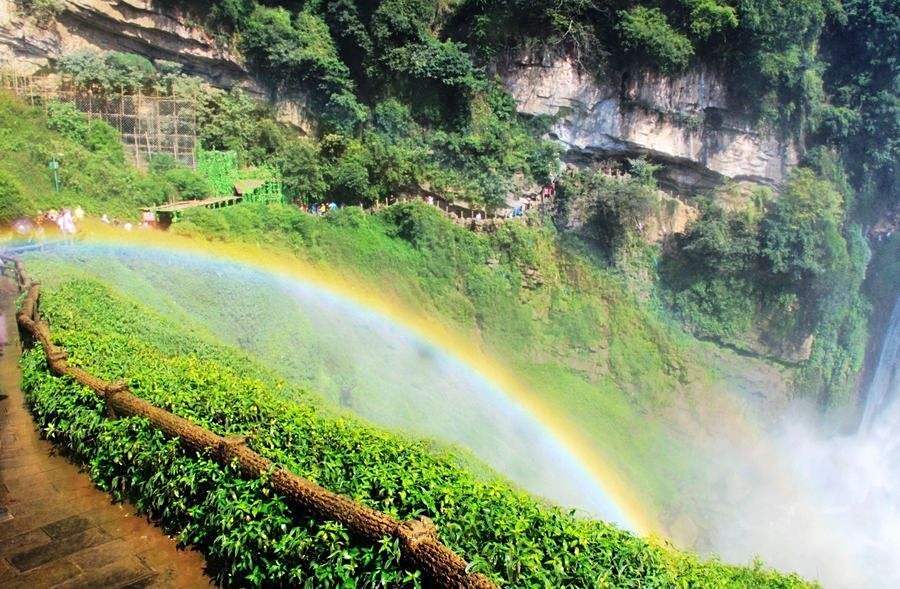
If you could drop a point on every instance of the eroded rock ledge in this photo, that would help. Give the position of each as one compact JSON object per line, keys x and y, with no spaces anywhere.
{"x":687,"y":121}
{"x":136,"y":26}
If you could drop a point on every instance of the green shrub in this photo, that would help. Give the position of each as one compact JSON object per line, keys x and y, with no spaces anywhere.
{"x":12,"y":202}
{"x":110,"y":71}
{"x":67,"y":120}
{"x":160,"y":163}
{"x":299,"y":53}
{"x":104,"y":140}
{"x":609,"y":208}
{"x":98,"y":136}
{"x":709,"y":17}
{"x":188,"y":184}
{"x":250,"y":535}
{"x":301,"y":171}
{"x":646,"y":31}
{"x":801,"y":237}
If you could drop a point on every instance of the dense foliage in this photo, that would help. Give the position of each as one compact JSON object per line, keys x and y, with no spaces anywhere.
{"x":863,"y":117}
{"x":788,"y":265}
{"x":92,"y":168}
{"x":116,"y":71}
{"x":92,"y":172}
{"x":252,"y":537}
{"x":401,"y":101}
{"x":610,"y":209}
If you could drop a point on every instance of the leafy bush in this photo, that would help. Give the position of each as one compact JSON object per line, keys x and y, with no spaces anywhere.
{"x":111,"y":71}
{"x":161,"y":163}
{"x":98,"y":136}
{"x":102,"y":139}
{"x":709,"y":17}
{"x":12,"y":202}
{"x":801,"y":237}
{"x":188,"y":184}
{"x":646,"y":31}
{"x":298,"y":53}
{"x":68,"y":121}
{"x":251,"y":537}
{"x":609,"y":208}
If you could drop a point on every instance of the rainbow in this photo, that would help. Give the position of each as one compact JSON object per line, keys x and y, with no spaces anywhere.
{"x":630,"y":513}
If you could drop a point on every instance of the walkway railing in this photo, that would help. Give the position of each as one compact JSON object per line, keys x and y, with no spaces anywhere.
{"x":419,"y":543}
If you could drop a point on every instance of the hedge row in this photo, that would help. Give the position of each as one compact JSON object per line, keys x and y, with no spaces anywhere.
{"x":250,"y":535}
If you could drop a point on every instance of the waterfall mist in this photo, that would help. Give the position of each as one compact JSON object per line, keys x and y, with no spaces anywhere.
{"x":358,"y":359}
{"x":825,"y":506}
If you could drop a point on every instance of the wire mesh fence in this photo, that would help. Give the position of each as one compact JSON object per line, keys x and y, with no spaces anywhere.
{"x":149,"y":124}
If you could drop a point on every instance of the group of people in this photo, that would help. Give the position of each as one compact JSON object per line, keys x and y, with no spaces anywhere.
{"x":64,"y":220}
{"x":319,"y":208}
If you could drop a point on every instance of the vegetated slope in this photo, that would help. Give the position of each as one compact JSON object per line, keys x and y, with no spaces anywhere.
{"x":400,"y":96}
{"x":571,"y":332}
{"x":92,"y":170}
{"x":251,"y":537}
{"x":567,"y":329}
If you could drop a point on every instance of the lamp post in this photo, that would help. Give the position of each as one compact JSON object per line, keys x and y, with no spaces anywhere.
{"x":54,"y":166}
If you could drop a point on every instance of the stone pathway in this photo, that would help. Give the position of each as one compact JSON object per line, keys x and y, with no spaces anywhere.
{"x":56,"y":528}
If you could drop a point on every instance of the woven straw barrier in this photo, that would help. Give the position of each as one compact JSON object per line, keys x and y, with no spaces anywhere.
{"x":419,"y":542}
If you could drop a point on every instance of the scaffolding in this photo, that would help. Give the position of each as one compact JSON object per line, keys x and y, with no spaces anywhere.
{"x":149,"y":124}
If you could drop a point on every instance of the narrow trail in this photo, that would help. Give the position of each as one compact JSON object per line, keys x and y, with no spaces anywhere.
{"x":56,"y":528}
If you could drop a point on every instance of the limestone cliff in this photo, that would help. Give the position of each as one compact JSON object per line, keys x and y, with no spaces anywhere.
{"x":134,"y":26}
{"x":688,"y":121}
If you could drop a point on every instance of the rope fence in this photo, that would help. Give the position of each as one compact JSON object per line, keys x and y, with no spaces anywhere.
{"x":419,"y":543}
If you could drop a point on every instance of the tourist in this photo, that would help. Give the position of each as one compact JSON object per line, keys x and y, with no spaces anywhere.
{"x":39,"y":230}
{"x":66,"y":223}
{"x":22,"y":226}
{"x":79,"y":213}
{"x":127,"y":226}
{"x":104,"y":219}
{"x":3,"y":338}
{"x":332,"y":206}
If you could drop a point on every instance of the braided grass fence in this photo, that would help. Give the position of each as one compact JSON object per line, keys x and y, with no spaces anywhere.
{"x":419,"y":543}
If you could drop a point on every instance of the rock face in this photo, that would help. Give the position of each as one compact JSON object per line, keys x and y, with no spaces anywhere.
{"x":135,"y":26}
{"x":668,"y":216}
{"x":687,"y":121}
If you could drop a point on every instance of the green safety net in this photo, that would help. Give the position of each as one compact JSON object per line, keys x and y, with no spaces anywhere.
{"x":221,"y":170}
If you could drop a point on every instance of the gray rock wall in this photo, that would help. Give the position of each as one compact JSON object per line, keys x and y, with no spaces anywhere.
{"x":687,"y":121}
{"x":134,"y":26}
